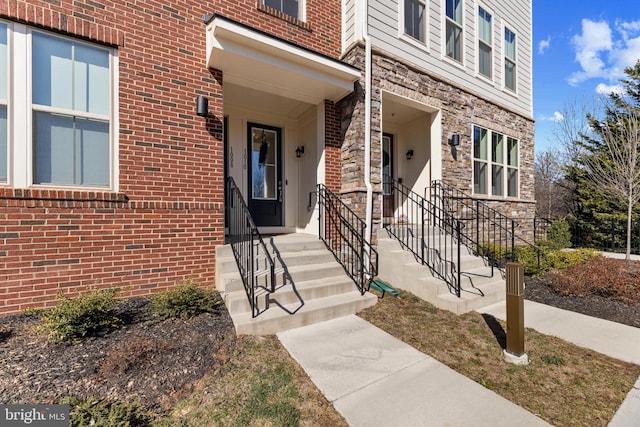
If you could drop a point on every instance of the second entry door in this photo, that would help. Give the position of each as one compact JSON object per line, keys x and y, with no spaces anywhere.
{"x":265,"y":174}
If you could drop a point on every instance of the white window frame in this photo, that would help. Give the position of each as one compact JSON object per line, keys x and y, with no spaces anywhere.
{"x":461,"y":25}
{"x":513,"y":90}
{"x":506,"y":167}
{"x":21,"y":109}
{"x":480,"y":41}
{"x":401,"y":25}
{"x":301,"y":10}
{"x":8,"y":104}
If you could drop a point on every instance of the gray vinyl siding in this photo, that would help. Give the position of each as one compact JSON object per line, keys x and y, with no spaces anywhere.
{"x":386,"y":27}
{"x":349,"y":29}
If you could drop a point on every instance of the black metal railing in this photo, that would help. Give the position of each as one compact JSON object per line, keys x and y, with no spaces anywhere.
{"x":428,"y":231}
{"x":342,"y":231}
{"x":255,"y":264}
{"x":486,"y":231}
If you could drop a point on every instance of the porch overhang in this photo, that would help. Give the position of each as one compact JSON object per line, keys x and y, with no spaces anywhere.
{"x":251,"y":58}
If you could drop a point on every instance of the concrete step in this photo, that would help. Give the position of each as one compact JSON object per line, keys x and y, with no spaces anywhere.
{"x":401,"y":270}
{"x":238,"y":302}
{"x":310,"y":286}
{"x":296,"y":315}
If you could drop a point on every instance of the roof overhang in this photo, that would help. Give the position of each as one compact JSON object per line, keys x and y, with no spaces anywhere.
{"x":254,"y":59}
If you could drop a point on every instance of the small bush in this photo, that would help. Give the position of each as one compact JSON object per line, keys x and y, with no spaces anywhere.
{"x":550,"y":259}
{"x":610,"y":278}
{"x":185,"y":301}
{"x":76,"y":318}
{"x":559,"y":234}
{"x":92,"y":412}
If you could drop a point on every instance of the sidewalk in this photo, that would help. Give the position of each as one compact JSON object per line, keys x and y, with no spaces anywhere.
{"x":374,"y":379}
{"x":613,"y":339}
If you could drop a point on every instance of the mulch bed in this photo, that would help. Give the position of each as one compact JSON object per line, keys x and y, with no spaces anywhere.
{"x":146,"y":360}
{"x":540,"y":290}
{"x":155,"y":362}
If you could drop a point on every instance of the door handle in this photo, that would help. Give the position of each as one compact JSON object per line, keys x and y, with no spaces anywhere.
{"x":280,"y":191}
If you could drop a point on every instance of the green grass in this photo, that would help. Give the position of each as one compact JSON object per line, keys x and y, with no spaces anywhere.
{"x":564,"y":384}
{"x":260,"y":386}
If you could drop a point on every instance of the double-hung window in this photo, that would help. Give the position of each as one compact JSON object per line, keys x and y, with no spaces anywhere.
{"x":509,"y":59}
{"x":415,"y":19}
{"x":495,"y":163}
{"x":453,"y":29}
{"x":71,"y":112}
{"x":293,"y":8}
{"x":484,"y":43}
{"x":62,"y":125}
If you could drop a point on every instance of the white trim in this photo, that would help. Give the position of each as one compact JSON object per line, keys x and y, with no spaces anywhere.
{"x":20,"y":107}
{"x":253,"y":59}
{"x":514,"y":92}
{"x":491,"y":78}
{"x":489,"y":164}
{"x":424,"y":45}
{"x":463,"y":52}
{"x":302,"y":15}
{"x":20,"y":111}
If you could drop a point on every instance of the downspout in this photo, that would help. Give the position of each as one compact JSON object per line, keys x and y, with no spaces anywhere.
{"x":367,"y":123}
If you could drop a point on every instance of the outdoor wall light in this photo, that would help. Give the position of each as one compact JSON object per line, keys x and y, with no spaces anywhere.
{"x":454,"y":140}
{"x":410,"y":154}
{"x":300,"y":151}
{"x":202,"y":108}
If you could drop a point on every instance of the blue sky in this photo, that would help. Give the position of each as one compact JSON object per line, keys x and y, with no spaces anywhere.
{"x":580,"y":49}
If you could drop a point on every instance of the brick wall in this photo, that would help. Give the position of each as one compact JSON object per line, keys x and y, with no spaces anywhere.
{"x":167,"y":217}
{"x":333,"y":143}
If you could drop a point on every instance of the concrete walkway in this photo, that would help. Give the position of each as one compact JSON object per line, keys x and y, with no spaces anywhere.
{"x":613,"y":339}
{"x":374,"y":379}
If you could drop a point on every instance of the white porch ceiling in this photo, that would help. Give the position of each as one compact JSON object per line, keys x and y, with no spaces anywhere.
{"x":252,"y":59}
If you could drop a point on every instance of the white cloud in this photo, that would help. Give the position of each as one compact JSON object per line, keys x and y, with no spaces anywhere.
{"x":604,"y":89}
{"x":544,"y":45}
{"x":556,"y":117}
{"x":604,"y":51}
{"x":595,"y":38}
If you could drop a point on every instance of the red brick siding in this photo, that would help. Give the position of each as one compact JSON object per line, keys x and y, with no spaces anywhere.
{"x":167,"y":217}
{"x":333,"y":142}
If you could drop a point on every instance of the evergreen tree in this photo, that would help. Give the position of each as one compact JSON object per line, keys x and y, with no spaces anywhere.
{"x":607,"y":172}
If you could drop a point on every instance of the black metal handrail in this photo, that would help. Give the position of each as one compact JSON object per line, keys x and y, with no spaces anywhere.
{"x":251,"y":254}
{"x":487,"y":232}
{"x":342,"y":231}
{"x":428,"y":231}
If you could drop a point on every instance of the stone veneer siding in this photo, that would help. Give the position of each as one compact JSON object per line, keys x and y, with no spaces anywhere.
{"x":460,"y":110}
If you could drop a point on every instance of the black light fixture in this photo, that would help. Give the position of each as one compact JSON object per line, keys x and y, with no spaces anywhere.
{"x":410,"y":154}
{"x":454,"y":140}
{"x":300,"y":151}
{"x":202,"y":108}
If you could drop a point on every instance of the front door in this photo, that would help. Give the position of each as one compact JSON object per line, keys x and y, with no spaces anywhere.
{"x":388,"y":202}
{"x":265,"y":174}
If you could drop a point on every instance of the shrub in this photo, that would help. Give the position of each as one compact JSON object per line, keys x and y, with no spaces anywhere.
{"x":610,"y":278}
{"x":76,"y":318}
{"x":550,"y":259}
{"x":559,"y":234}
{"x":184,"y":301}
{"x":93,"y":412}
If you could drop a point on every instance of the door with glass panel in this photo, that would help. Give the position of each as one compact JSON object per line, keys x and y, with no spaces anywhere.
{"x":265,"y":174}
{"x":388,"y":202}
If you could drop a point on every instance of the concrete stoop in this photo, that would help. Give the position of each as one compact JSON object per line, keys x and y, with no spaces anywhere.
{"x":311,"y":286}
{"x":399,"y":268}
